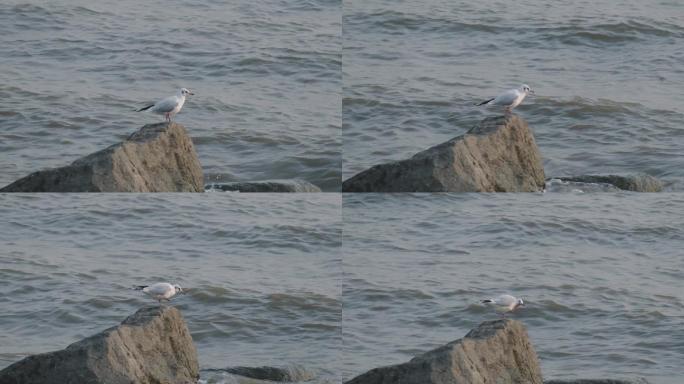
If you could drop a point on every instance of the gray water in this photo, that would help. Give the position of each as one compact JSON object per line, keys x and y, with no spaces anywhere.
{"x":608,"y":77}
{"x":266,"y":76}
{"x":262,"y":271}
{"x":268,"y":275}
{"x":602,"y":276}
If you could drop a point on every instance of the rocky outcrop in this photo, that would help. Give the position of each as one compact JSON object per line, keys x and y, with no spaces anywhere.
{"x":157,"y":158}
{"x":150,"y":347}
{"x":288,"y":374}
{"x":265,"y":186}
{"x":636,"y":183}
{"x":497,"y":155}
{"x":597,"y":381}
{"x":497,"y":351}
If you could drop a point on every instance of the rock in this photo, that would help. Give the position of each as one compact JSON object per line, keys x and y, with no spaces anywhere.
{"x":597,"y":381}
{"x":287,"y":374}
{"x":150,"y":347}
{"x":265,"y":186}
{"x":497,"y":155}
{"x":636,"y":183}
{"x":157,"y":158}
{"x":497,"y":351}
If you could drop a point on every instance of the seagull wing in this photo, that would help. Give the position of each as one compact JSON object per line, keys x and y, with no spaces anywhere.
{"x":505,"y":300}
{"x":159,"y":288}
{"x":506,"y":98}
{"x":166,"y":105}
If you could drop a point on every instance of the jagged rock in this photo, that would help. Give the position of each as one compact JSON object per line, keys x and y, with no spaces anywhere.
{"x":497,"y":155}
{"x":636,"y":183}
{"x":497,"y":351}
{"x":152,"y":346}
{"x":287,"y":374}
{"x":597,"y":381}
{"x":157,"y":158}
{"x":265,"y":186}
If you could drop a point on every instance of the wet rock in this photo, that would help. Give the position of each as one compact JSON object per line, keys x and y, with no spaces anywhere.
{"x":157,"y":158}
{"x":497,"y":155}
{"x":288,"y":374}
{"x":636,"y":183}
{"x":497,"y":351}
{"x":151,"y":346}
{"x":265,"y":186}
{"x":597,"y":381}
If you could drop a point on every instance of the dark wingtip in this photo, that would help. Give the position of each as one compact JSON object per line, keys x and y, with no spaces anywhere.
{"x":140,"y":287}
{"x":487,"y":101}
{"x":145,"y":108}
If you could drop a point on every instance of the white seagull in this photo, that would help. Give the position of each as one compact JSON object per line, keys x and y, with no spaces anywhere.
{"x":510,"y":99}
{"x":504,"y":304}
{"x":160,"y":291}
{"x":169,"y":106}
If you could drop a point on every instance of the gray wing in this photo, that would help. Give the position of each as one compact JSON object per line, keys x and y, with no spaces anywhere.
{"x":159,"y":288}
{"x":505,"y":300}
{"x":166,"y":105}
{"x":506,"y":98}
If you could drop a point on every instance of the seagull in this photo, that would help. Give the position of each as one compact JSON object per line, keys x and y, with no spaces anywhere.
{"x":169,"y":106}
{"x":504,"y":304}
{"x":510,"y":99}
{"x":160,"y":291}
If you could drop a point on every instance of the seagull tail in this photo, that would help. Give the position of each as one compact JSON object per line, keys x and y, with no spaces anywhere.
{"x":144,"y":108}
{"x":482,"y":103}
{"x":488,"y":301}
{"x":140,"y":287}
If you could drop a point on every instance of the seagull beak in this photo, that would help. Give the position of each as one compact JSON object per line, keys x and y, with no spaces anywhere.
{"x":531,"y":91}
{"x":191,"y":93}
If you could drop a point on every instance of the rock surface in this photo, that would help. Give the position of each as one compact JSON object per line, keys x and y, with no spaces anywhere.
{"x":497,"y":351}
{"x":287,"y":374}
{"x":152,"y":346}
{"x":265,"y":186}
{"x":636,"y":183}
{"x":497,"y":155}
{"x":157,"y":158}
{"x":597,"y":381}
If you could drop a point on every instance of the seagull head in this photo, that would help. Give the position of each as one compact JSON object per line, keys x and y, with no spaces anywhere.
{"x":184,"y":92}
{"x":526,"y":89}
{"x":178,"y":288}
{"x":520,"y":303}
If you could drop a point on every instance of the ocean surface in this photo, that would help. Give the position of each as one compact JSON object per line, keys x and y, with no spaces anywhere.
{"x":607,"y":74}
{"x":263,"y":273}
{"x":602,"y":276}
{"x":266,"y":76}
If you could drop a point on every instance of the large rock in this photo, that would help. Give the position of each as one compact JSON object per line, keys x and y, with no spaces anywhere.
{"x":264,"y":186}
{"x":636,"y":183}
{"x":150,"y":347}
{"x":497,"y":352}
{"x":597,"y":381}
{"x":497,"y":155}
{"x":157,"y":158}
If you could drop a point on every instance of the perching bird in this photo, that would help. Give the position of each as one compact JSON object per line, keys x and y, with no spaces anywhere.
{"x":169,"y":106}
{"x":504,"y":304}
{"x":160,"y":291}
{"x":510,"y":99}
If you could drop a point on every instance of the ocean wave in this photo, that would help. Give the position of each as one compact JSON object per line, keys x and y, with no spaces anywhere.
{"x":611,"y":33}
{"x":391,"y":21}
